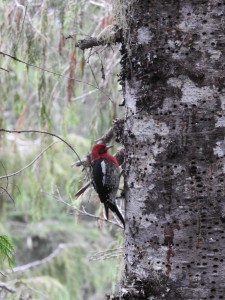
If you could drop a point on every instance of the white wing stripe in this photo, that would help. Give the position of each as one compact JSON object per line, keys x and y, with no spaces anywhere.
{"x":103,"y":172}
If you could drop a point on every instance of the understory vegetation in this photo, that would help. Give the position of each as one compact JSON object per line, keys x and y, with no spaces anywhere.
{"x":48,"y":85}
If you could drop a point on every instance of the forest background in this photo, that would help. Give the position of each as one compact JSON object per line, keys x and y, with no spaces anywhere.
{"x":48,"y":85}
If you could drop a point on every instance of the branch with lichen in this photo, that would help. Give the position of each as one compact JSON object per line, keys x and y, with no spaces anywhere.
{"x":110,"y":35}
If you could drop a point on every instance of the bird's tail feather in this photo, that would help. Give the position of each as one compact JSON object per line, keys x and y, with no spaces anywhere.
{"x":114,"y":209}
{"x":106,"y":210}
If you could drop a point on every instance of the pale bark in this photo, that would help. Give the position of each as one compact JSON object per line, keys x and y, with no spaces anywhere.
{"x":173,"y":80}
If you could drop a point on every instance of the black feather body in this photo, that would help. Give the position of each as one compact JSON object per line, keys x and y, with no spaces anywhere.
{"x":105,"y":177}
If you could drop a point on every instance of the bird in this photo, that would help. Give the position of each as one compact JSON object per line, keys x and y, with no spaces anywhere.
{"x":105,"y":178}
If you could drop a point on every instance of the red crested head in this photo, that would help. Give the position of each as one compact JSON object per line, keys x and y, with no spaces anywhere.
{"x":101,"y":151}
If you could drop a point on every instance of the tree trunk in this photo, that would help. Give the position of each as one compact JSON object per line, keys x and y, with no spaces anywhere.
{"x":173,"y":80}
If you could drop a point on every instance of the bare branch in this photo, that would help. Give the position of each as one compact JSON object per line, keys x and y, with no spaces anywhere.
{"x":3,"y":274}
{"x":39,"y":131}
{"x":4,"y":69}
{"x":106,"y":138}
{"x":110,"y":35}
{"x":5,"y":190}
{"x":27,"y":166}
{"x":43,"y":261}
{"x":4,"y":286}
{"x":102,"y":255}
{"x":82,"y":211}
{"x":83,"y":189}
{"x":88,"y":43}
{"x":84,"y":95}
{"x":70,"y":36}
{"x":7,"y":180}
{"x":84,"y":162}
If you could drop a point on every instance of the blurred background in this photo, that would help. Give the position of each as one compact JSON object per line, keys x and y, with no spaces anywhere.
{"x":49,"y":85}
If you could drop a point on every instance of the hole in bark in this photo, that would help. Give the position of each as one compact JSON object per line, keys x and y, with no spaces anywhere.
{"x":213,"y":44}
{"x":203,"y":33}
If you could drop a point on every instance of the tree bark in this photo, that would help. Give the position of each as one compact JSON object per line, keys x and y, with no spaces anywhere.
{"x":173,"y":81}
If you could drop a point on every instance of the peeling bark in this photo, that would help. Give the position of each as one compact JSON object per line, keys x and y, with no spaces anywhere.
{"x":174,"y":136}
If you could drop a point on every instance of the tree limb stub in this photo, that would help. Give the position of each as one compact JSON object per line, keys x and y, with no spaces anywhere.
{"x":87,"y":43}
{"x":109,"y":35}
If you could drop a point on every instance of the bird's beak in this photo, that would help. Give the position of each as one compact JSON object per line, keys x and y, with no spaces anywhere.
{"x":108,"y":147}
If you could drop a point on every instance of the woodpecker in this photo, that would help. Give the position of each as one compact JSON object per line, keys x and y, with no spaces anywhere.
{"x":105,"y":178}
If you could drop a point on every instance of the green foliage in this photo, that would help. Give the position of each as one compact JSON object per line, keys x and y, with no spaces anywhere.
{"x":69,"y":266}
{"x":6,"y":250}
{"x":36,"y":99}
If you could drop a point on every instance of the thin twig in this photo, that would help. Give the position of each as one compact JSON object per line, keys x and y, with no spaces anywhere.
{"x":4,"y":286}
{"x":102,"y":255}
{"x":75,"y":34}
{"x":3,"y":274}
{"x":83,"y":189}
{"x":40,"y":131}
{"x":4,"y":69}
{"x":5,"y":190}
{"x":84,"y":95}
{"x":83,"y":211}
{"x":92,"y":72}
{"x":27,"y":166}
{"x":7,"y":179}
{"x":51,"y":72}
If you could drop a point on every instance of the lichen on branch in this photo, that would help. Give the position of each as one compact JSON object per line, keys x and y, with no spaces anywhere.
{"x":109,"y":35}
